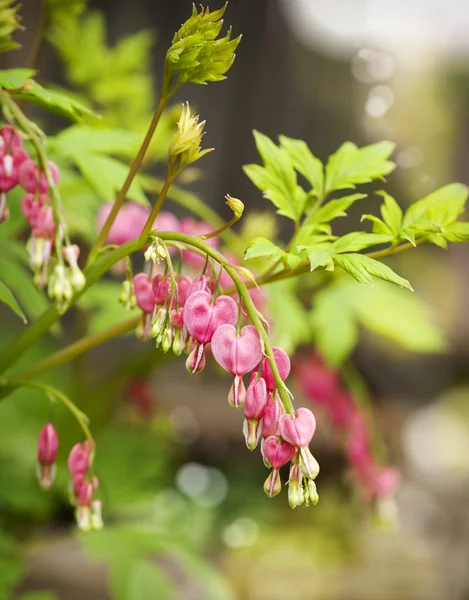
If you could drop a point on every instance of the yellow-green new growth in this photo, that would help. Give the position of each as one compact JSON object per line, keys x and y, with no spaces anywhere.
{"x":196,"y":54}
{"x":185,"y":147}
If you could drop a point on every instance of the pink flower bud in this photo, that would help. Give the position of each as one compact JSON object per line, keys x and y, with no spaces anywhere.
{"x":256,"y":400}
{"x":44,"y":224}
{"x":161,"y":289}
{"x":34,"y":180}
{"x":85,"y":494}
{"x":277,"y":452}
{"x":11,"y":139}
{"x":177,"y":318}
{"x":298,"y":430}
{"x":79,"y":459}
{"x":200,"y":284}
{"x":271,"y":419}
{"x":31,"y":208}
{"x":144,"y":294}
{"x":184,"y":284}
{"x":47,"y":446}
{"x":283,"y":365}
{"x":202,"y":318}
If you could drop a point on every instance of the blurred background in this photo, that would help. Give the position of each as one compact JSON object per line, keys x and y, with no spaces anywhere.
{"x":185,"y":513}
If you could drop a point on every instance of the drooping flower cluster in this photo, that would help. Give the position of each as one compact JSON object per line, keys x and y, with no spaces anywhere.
{"x":83,"y":484}
{"x":60,"y":273}
{"x":321,"y":385}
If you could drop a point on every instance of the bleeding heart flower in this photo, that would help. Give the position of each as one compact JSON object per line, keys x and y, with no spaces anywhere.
{"x":202,"y":318}
{"x":33,"y":180}
{"x":161,"y":288}
{"x":283,"y":365}
{"x":144,"y":292}
{"x":47,"y":446}
{"x":184,"y":285}
{"x":79,"y":459}
{"x":256,"y":399}
{"x":238,"y":355}
{"x":298,"y":430}
{"x":271,"y":419}
{"x":278,"y":452}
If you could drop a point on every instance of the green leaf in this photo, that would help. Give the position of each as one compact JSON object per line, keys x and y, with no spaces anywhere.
{"x":264,"y":247}
{"x":363,"y":269}
{"x":378,"y":226}
{"x":58,"y":102}
{"x":351,"y":165}
{"x":333,"y":209}
{"x":7,"y":298}
{"x":277,"y":179}
{"x":334,"y":325}
{"x":318,"y":257}
{"x":11,"y":79}
{"x":358,"y":240}
{"x":148,"y":581}
{"x":457,"y":232}
{"x":82,"y":139}
{"x":305,"y":162}
{"x":443,"y":206}
{"x":8,"y":24}
{"x":106,"y":176}
{"x":391,"y":213}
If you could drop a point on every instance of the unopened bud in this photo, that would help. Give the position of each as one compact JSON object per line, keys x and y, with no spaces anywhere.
{"x":127,"y":296}
{"x":252,"y":431}
{"x":4,"y":210}
{"x":159,"y":322}
{"x":237,"y":393}
{"x":313,"y":496}
{"x":295,"y":487}
{"x":178,"y":342}
{"x":167,"y":340}
{"x":155,"y":252}
{"x":83,"y":517}
{"x":47,"y":446}
{"x":273,"y":485}
{"x":196,"y":360}
{"x":236,"y":205}
{"x":96,"y":515}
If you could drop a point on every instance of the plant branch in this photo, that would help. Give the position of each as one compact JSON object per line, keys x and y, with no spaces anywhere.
{"x":156,"y":208}
{"x":134,"y":168}
{"x":79,"y":347}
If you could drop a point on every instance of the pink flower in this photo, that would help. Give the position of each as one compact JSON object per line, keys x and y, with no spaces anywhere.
{"x":298,"y":430}
{"x":277,"y":453}
{"x":161,"y":289}
{"x":129,"y":222}
{"x":184,"y":285}
{"x":47,"y":446}
{"x":283,"y":365}
{"x":144,"y":292}
{"x":202,"y":318}
{"x":318,"y":381}
{"x":166,"y":221}
{"x":33,"y":179}
{"x":200,"y":284}
{"x":79,"y":459}
{"x":238,"y":355}
{"x":254,"y":410}
{"x":271,"y":419}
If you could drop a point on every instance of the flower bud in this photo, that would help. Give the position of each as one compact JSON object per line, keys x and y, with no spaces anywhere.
{"x":80,"y":459}
{"x":313,"y":496}
{"x":127,"y":296}
{"x":83,"y":517}
{"x":47,"y":446}
{"x":256,"y":400}
{"x":271,"y":419}
{"x":159,"y":322}
{"x":178,"y":342}
{"x":167,"y":340}
{"x":273,"y":485}
{"x":251,"y":431}
{"x":4,"y":210}
{"x":295,"y":486}
{"x":96,"y":515}
{"x":236,"y":206}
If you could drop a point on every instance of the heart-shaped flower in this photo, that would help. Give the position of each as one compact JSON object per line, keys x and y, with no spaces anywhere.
{"x":283,"y":365}
{"x":161,"y":288}
{"x":271,"y":419}
{"x":144,"y":292}
{"x":256,"y":400}
{"x":298,"y":430}
{"x":202,"y":318}
{"x":277,"y":452}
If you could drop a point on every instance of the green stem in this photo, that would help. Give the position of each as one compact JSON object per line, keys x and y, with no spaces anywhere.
{"x":79,"y":347}
{"x":134,"y":168}
{"x":221,"y":229}
{"x":156,"y":208}
{"x":51,"y":391}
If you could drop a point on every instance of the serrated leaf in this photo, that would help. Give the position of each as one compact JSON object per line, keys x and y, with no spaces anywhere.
{"x":333,"y":209}
{"x":106,"y":175}
{"x":351,"y":165}
{"x":457,"y":232}
{"x":391,"y":213}
{"x":443,"y":206}
{"x":305,"y":162}
{"x":260,"y":247}
{"x":7,"y":298}
{"x":363,"y":269}
{"x":319,"y":257}
{"x":378,"y":225}
{"x":358,"y":240}
{"x":277,"y":179}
